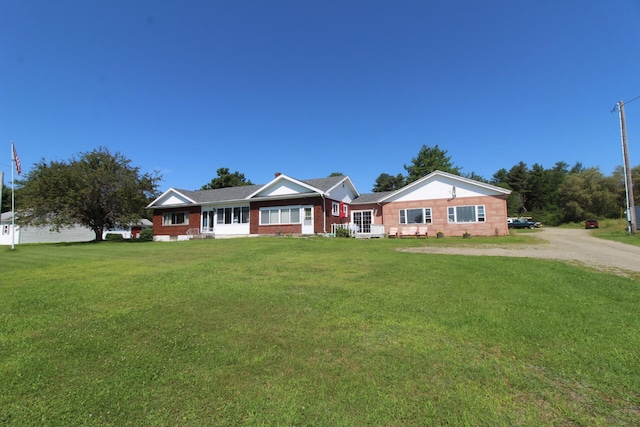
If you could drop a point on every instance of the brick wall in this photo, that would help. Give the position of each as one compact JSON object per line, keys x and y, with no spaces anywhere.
{"x":256,"y":228}
{"x":495,"y":214}
{"x":175,"y":230}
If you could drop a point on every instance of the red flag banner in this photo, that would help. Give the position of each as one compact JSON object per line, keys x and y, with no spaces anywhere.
{"x":17,"y":160}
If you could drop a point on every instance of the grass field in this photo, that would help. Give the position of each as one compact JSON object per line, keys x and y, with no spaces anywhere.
{"x":326,"y":332}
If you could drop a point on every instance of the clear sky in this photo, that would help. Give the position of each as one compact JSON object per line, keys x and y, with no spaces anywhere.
{"x":308,"y":88}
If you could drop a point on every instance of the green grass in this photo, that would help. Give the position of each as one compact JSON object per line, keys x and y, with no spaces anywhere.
{"x":286,"y":331}
{"x":616,"y":230}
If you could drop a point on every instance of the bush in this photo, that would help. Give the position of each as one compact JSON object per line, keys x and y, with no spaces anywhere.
{"x":114,"y":237}
{"x":342,"y":232}
{"x":146,"y":235}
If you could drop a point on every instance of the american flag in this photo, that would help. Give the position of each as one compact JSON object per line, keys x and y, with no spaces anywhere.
{"x":17,"y":160}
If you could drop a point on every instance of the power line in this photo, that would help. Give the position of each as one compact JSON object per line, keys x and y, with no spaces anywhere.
{"x":615,"y":107}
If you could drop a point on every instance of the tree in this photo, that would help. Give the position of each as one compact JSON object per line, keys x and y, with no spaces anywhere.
{"x":98,"y":190}
{"x":585,"y":194}
{"x":5,"y":203}
{"x":335,"y":174}
{"x":226,"y":179}
{"x":500,"y":177}
{"x":428,"y":160}
{"x":517,"y":179}
{"x":475,"y":177}
{"x":386,"y":182}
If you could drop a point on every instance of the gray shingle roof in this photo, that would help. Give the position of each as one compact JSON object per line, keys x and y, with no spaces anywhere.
{"x":324,"y":184}
{"x":218,"y":195}
{"x":370,"y":197}
{"x":229,"y":194}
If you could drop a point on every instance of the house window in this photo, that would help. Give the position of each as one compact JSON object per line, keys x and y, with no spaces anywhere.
{"x":283,"y":215}
{"x":466,"y":214}
{"x":233,"y":215}
{"x":415,"y":216}
{"x":175,"y":218}
{"x":335,"y":209}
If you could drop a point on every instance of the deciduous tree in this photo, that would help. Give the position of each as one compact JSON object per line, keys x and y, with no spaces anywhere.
{"x":98,"y":190}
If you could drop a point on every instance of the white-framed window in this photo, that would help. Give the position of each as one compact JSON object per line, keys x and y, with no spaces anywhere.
{"x":175,"y":218}
{"x":233,"y":215}
{"x":473,"y":213}
{"x":335,"y":208}
{"x":415,"y":216}
{"x":280,"y":215}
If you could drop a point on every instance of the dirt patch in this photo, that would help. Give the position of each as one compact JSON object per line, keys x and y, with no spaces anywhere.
{"x":576,"y":246}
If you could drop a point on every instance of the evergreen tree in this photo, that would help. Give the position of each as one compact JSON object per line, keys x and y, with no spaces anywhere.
{"x":429,"y":159}
{"x":386,"y":182}
{"x":226,"y":179}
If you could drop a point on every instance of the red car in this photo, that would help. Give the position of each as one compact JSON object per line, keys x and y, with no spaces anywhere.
{"x":591,"y":223}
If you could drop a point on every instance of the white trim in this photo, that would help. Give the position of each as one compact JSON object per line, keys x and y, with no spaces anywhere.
{"x":283,"y":177}
{"x":169,"y":191}
{"x":407,"y":188}
{"x":350,"y":183}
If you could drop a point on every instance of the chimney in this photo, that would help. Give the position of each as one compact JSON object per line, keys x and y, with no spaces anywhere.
{"x":278,"y":174}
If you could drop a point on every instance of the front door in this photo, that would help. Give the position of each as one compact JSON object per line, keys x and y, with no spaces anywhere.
{"x":207,"y":221}
{"x":307,"y":220}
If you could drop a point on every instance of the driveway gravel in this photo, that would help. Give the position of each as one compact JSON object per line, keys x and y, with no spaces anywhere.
{"x":575,"y":246}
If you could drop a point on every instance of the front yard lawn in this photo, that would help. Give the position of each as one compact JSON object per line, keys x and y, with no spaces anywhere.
{"x":287,"y":331}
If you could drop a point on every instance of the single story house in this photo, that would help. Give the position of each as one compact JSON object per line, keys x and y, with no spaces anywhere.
{"x":285,"y":205}
{"x":439,"y":201}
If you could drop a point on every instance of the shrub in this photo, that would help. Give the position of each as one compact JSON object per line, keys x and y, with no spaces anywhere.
{"x":146,"y":235}
{"x":342,"y":232}
{"x":114,"y":237}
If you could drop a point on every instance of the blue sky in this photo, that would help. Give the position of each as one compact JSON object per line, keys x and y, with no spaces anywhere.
{"x":308,"y":88}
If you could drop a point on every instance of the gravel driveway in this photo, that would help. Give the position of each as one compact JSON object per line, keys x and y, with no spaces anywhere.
{"x":559,"y":244}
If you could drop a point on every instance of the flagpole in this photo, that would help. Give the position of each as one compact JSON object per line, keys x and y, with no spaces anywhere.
{"x":13,"y":202}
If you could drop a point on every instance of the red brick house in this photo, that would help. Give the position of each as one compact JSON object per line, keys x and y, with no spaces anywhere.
{"x":283,"y":206}
{"x":437,"y":202}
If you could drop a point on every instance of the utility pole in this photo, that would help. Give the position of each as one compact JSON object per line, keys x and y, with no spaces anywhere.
{"x":628,"y":184}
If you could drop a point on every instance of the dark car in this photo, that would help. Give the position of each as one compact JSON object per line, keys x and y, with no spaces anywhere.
{"x":591,"y":223}
{"x":519,"y":223}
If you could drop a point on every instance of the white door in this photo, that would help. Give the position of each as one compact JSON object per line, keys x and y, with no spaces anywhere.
{"x":307,"y":220}
{"x":363,"y":220}
{"x":207,"y":220}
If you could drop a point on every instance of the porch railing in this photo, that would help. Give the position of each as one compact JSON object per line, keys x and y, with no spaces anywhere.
{"x":369,"y":230}
{"x":194,"y":232}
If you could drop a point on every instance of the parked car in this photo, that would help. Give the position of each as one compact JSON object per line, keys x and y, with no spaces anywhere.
{"x":591,"y":223}
{"x":521,"y":223}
